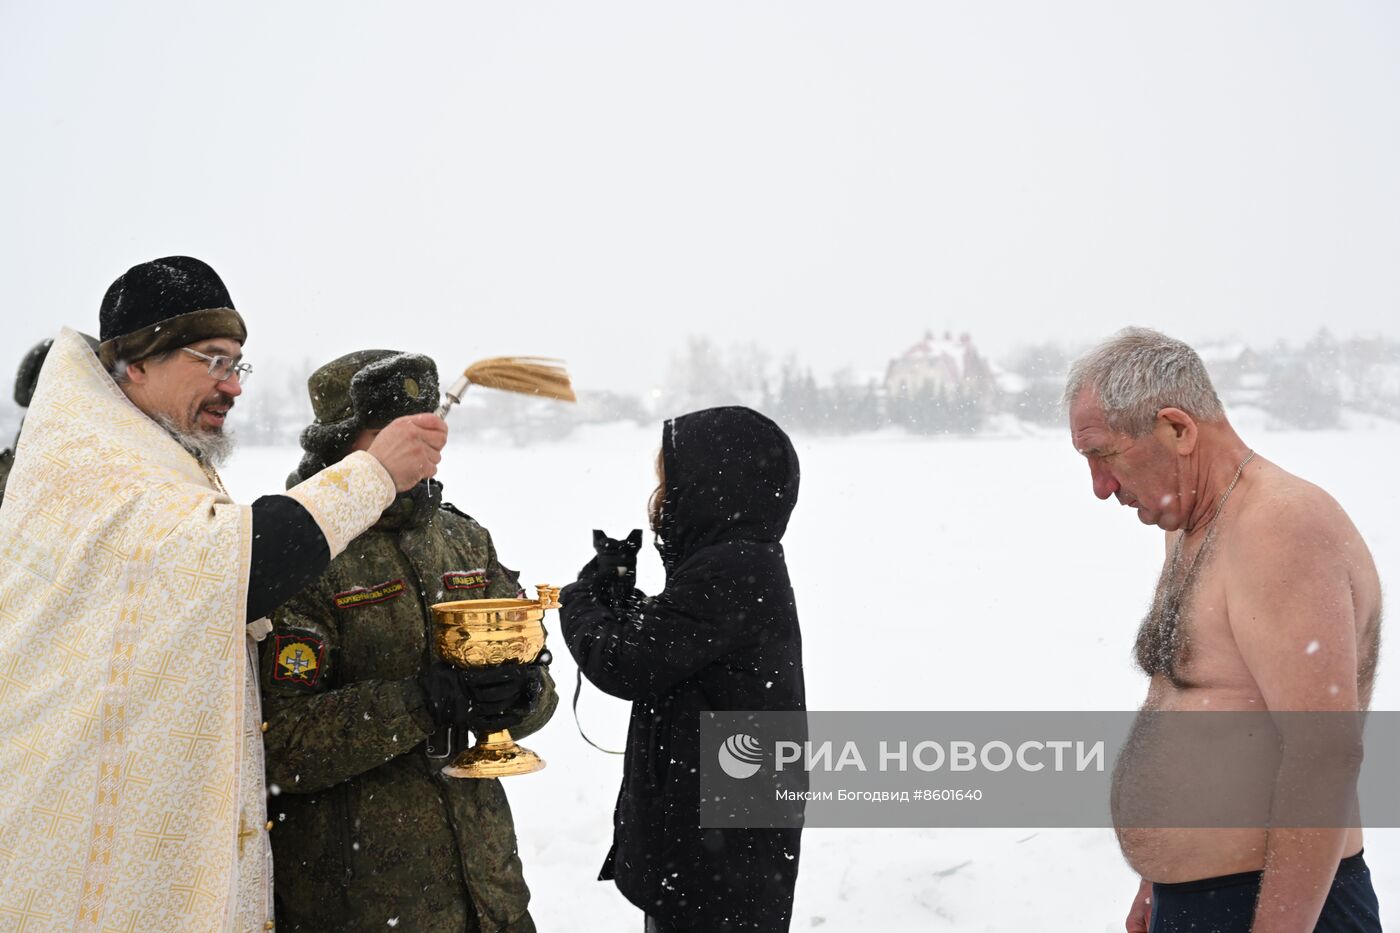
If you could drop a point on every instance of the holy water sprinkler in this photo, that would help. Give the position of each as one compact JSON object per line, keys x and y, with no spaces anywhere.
{"x":526,"y":375}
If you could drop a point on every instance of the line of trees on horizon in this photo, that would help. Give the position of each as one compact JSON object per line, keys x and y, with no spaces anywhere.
{"x":1308,"y":385}
{"x":939,"y":386}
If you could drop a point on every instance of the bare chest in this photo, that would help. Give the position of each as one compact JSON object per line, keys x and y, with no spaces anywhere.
{"x":1185,"y":638}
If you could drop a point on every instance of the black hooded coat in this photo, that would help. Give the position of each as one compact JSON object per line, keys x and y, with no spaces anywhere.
{"x":722,"y":635}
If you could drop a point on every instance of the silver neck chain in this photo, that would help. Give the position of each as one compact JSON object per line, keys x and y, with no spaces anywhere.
{"x":1220,"y":506}
{"x":1214,"y":523}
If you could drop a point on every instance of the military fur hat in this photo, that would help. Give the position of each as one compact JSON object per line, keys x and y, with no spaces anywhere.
{"x":165,"y":304}
{"x":28,"y":376}
{"x":365,"y":389}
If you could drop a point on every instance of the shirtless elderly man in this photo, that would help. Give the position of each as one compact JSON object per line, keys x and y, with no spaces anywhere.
{"x":1268,"y":599}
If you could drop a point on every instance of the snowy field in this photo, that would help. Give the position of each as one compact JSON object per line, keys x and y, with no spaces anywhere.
{"x":1023,"y":592}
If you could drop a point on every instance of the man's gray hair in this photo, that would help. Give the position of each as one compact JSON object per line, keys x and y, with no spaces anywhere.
{"x":1138,"y":372}
{"x":118,"y":369}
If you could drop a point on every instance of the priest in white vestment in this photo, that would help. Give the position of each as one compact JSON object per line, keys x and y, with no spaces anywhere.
{"x":132,"y":590}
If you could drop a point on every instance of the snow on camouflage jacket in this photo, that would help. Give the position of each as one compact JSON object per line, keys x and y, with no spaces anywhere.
{"x":365,"y":828}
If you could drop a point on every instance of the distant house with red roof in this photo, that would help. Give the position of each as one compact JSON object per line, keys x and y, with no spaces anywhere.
{"x":944,"y":365}
{"x":942,"y":384}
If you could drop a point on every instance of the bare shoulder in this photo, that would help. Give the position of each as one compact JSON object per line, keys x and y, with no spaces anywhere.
{"x":1279,"y":502}
{"x":1296,"y":521}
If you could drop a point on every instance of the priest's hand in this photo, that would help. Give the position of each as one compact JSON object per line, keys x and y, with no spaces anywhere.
{"x":410,"y":448}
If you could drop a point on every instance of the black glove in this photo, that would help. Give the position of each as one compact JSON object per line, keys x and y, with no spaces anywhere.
{"x":447,"y":699}
{"x":502,"y":695}
{"x":614,"y":577}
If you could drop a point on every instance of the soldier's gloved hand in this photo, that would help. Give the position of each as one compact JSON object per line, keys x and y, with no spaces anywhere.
{"x":448,"y":701}
{"x":502,"y":695}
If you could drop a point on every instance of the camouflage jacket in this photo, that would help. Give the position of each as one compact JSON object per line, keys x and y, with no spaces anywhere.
{"x":365,"y":829}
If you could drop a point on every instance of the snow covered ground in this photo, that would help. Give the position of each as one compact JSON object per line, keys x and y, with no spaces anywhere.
{"x":1023,"y":592}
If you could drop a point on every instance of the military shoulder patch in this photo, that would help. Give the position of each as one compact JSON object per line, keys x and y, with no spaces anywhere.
{"x":299,"y":660}
{"x":465,"y":579}
{"x":365,"y":595}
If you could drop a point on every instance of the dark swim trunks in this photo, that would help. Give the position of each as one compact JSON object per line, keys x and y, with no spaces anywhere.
{"x":1226,"y":904}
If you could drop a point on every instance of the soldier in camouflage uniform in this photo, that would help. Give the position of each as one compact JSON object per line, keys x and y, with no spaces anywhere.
{"x":368,"y":835}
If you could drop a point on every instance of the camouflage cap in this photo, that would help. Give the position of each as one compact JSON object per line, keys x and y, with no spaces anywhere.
{"x":374,"y":387}
{"x":364,"y":389}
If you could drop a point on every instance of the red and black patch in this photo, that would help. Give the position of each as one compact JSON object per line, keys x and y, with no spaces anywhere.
{"x":299,"y":659}
{"x":367,"y":595}
{"x":465,"y":579}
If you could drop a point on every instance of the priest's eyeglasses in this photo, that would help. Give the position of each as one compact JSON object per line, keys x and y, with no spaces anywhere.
{"x":221,"y":367}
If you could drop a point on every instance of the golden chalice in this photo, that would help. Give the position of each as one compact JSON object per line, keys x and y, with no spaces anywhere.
{"x":482,"y":632}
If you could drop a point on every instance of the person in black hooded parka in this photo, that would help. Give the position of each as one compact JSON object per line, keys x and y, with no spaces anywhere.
{"x":722,"y":635}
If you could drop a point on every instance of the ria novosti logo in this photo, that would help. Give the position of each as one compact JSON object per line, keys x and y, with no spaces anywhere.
{"x":740,"y":756}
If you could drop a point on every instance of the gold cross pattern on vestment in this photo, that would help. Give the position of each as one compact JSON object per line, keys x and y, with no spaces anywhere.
{"x":244,"y":834}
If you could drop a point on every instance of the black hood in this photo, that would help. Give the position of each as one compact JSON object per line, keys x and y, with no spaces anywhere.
{"x":731,"y":474}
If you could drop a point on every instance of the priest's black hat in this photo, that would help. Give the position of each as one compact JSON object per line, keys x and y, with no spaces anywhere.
{"x":164,"y":304}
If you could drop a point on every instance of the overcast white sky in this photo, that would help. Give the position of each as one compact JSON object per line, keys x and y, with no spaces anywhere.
{"x":598,"y":180}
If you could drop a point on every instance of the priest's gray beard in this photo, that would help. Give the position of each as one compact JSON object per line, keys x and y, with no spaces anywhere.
{"x":212,"y":449}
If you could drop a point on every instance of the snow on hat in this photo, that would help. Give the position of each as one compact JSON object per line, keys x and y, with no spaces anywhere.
{"x":365,"y":389}
{"x":165,"y":304}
